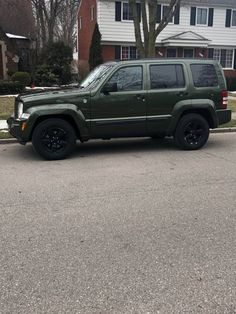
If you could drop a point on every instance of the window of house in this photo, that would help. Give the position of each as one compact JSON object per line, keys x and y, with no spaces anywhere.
{"x":80,"y":22}
{"x":126,"y":12}
{"x":202,"y":15}
{"x":188,"y":53}
{"x":128,"y":78}
{"x":225,"y":57}
{"x":204,"y":75}
{"x":167,"y":76}
{"x":171,"y":53}
{"x":233,"y":17}
{"x":128,"y":52}
{"x":92,"y":13}
{"x":165,"y":12}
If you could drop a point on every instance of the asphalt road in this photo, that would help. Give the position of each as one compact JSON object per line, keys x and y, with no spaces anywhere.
{"x":126,"y":226}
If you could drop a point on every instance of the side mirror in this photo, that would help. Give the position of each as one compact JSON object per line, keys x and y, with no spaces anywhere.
{"x":110,"y":88}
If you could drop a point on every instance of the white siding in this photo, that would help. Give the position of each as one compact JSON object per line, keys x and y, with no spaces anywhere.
{"x":123,"y":32}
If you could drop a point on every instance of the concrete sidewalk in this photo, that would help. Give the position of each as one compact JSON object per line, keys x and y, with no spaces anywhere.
{"x":3,"y":124}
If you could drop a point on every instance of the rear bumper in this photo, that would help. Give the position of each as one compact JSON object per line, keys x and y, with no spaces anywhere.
{"x":223,"y":116}
{"x":15,"y":129}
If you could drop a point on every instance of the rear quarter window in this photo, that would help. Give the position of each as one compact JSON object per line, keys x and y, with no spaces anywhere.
{"x":204,"y":75}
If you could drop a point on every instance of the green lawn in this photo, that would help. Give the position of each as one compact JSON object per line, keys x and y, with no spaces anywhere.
{"x":6,"y":107}
{"x":5,"y":135}
{"x":232,"y":104}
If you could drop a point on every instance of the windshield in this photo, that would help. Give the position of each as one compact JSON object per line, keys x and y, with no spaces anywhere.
{"x":96,"y":75}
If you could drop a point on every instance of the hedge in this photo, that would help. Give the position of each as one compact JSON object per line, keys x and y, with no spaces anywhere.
{"x":10,"y":88}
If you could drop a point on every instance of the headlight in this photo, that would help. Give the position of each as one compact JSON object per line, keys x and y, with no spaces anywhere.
{"x":20,"y":110}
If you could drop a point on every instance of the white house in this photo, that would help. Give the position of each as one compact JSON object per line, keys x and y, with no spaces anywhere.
{"x":199,"y":29}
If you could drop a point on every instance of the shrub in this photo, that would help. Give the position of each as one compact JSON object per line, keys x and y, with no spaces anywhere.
{"x":95,"y":51}
{"x":58,"y":57}
{"x":22,"y":77}
{"x":9,"y":88}
{"x":45,"y":77}
{"x":231,"y":83}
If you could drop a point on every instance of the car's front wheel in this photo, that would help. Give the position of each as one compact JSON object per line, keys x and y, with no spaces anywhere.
{"x":192,"y":132}
{"x":54,"y":139}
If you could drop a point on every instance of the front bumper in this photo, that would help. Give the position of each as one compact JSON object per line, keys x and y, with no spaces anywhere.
{"x":15,"y":129}
{"x":223,"y":116}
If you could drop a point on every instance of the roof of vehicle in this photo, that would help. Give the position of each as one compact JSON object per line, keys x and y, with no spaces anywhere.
{"x":164,"y":60}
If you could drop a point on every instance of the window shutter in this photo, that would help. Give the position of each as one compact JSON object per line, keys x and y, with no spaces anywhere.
{"x":158,"y":13}
{"x":193,"y":16}
{"x":228,"y":18}
{"x":235,"y":59}
{"x":210,"y":53}
{"x":117,"y":52}
{"x":210,"y":17}
{"x":139,"y":10}
{"x":176,"y":17}
{"x":118,"y":11}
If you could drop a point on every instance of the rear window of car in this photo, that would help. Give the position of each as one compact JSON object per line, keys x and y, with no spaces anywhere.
{"x":204,"y":75}
{"x":166,"y":76}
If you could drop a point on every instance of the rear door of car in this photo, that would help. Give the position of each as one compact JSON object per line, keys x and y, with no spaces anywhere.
{"x":168,"y":84}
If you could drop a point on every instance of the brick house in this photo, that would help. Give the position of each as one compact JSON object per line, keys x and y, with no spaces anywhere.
{"x":203,"y":30}
{"x":17,"y":33}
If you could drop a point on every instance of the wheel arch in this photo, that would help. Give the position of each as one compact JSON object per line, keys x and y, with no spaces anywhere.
{"x":64,"y":117}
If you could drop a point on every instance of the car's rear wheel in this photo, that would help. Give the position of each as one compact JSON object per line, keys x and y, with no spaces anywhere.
{"x":192,"y":132}
{"x":54,"y":139}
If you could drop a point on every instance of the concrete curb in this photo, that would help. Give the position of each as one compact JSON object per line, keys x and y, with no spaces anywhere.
{"x":223,"y":130}
{"x":219,"y":130}
{"x":8,"y":141}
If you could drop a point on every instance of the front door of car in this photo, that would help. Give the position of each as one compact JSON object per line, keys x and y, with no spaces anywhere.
{"x":120,"y":112}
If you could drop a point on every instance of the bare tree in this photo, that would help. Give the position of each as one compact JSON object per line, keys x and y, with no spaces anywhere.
{"x":147,"y":32}
{"x":65,"y":29}
{"x":47,"y":12}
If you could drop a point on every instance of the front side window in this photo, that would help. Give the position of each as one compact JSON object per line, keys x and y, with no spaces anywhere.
{"x":204,"y":75}
{"x":126,"y":12}
{"x":224,"y":57}
{"x":202,"y":16}
{"x":128,"y":78}
{"x":166,"y":76}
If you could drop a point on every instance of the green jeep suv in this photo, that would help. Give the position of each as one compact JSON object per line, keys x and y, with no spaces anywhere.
{"x":157,"y":98}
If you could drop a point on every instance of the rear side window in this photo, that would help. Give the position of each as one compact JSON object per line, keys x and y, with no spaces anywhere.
{"x":167,"y":76}
{"x":204,"y":75}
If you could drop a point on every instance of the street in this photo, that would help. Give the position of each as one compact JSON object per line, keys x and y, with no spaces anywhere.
{"x":122,"y":226}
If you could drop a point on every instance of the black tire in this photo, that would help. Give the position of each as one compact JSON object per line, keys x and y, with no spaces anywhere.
{"x":192,"y":132}
{"x":54,"y":139}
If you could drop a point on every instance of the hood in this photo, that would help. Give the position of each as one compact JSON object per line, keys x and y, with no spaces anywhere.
{"x":53,"y":97}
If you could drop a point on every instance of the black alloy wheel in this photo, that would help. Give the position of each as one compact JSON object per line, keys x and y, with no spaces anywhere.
{"x":192,"y":132}
{"x":54,"y":139}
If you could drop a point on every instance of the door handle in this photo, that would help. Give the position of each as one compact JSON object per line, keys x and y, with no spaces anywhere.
{"x":140,"y":97}
{"x":181,"y":94}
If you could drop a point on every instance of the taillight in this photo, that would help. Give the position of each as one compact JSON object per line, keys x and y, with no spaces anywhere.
{"x":224,"y":99}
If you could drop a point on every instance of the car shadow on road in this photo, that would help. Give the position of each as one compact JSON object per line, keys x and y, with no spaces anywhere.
{"x":123,"y":146}
{"x":100,"y":147}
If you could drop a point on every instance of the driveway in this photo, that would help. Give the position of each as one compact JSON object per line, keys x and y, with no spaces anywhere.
{"x":126,"y":226}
